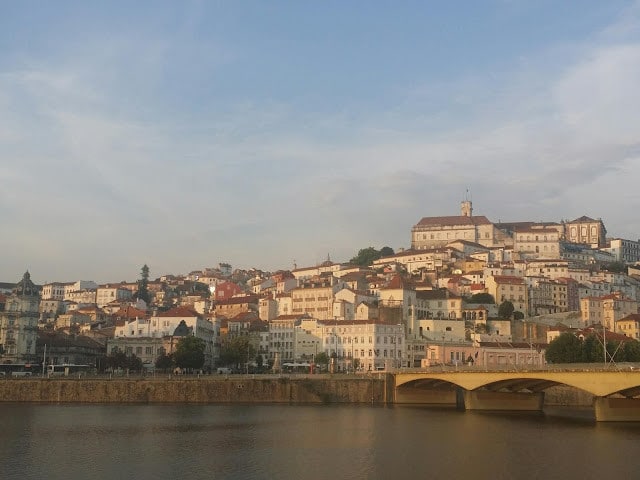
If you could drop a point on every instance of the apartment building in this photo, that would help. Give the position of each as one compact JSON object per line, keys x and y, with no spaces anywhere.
{"x":537,"y":242}
{"x":629,"y":326}
{"x":626,"y":251}
{"x":106,"y":294}
{"x":507,"y":287}
{"x":606,"y":310}
{"x":315,"y":300}
{"x":363,"y":345}
{"x":53,"y":291}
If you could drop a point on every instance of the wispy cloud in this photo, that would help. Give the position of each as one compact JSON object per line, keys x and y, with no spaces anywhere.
{"x":105,"y":167}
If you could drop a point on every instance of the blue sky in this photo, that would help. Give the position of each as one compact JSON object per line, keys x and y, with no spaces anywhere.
{"x":183,"y":134}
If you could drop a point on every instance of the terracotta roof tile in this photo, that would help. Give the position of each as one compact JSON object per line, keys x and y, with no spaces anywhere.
{"x":452,"y":221}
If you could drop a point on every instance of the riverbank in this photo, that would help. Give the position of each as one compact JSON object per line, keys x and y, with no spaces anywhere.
{"x":376,"y":389}
{"x":259,"y":389}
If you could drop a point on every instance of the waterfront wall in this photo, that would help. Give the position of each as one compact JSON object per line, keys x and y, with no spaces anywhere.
{"x":232,"y":389}
{"x":377,"y":389}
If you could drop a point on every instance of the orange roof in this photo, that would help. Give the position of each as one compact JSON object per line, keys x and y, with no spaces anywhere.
{"x":179,"y":312}
{"x":509,"y":279}
{"x":396,"y":283}
{"x":131,"y":312}
{"x":453,"y":220}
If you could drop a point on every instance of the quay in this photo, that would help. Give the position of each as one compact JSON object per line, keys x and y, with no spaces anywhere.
{"x":613,"y":395}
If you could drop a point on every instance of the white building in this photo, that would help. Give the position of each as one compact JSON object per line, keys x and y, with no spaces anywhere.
{"x":53,"y":291}
{"x":627,"y":251}
{"x":364,"y":344}
{"x":79,"y":286}
{"x":106,"y":294}
{"x":163,"y":324}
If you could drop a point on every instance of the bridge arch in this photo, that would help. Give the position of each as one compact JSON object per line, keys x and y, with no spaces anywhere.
{"x":597,"y":383}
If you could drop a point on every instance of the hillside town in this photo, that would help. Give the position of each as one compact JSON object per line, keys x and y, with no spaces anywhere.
{"x":468,"y":291}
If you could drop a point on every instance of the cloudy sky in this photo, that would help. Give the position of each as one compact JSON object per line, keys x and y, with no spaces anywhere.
{"x":183,"y":134}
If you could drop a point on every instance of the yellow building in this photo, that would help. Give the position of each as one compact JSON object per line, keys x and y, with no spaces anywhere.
{"x":508,"y":288}
{"x":629,"y":326}
{"x":607,"y":309}
{"x":314,"y":300}
{"x":537,"y":242}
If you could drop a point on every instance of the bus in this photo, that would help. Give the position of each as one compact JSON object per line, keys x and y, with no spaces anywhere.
{"x":19,"y":369}
{"x":67,"y":369}
{"x":296,"y":367}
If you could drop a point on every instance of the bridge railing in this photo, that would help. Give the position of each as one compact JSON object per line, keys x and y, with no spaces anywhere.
{"x":558,"y":367}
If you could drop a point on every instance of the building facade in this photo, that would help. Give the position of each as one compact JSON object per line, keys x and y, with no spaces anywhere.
{"x":586,"y":230}
{"x":19,"y":323}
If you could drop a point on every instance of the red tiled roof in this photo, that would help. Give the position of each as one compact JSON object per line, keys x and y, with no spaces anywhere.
{"x":131,"y":312}
{"x":439,"y":294}
{"x":238,"y":300}
{"x":396,"y":283}
{"x":179,"y":312}
{"x":290,"y":317}
{"x":452,"y":221}
{"x":509,"y":279}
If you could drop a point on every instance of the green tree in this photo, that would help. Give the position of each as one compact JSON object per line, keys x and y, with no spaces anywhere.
{"x":143,"y":285}
{"x":481,"y":298}
{"x":119,"y":360}
{"x":189,"y":353}
{"x":322,"y":359}
{"x":518,"y":315}
{"x":365,"y":257}
{"x":164,"y":362}
{"x":506,"y":309}
{"x":259,"y":361}
{"x":567,"y":348}
{"x":632,"y":351}
{"x":592,"y":350}
{"x":386,"y":252}
{"x":237,"y":351}
{"x":615,"y":267}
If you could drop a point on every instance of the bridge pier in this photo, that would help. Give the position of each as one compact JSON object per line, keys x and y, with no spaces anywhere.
{"x":414,"y":396}
{"x":508,"y":401}
{"x":617,"y":409}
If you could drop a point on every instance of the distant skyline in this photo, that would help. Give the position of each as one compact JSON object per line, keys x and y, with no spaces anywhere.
{"x":184,"y":134}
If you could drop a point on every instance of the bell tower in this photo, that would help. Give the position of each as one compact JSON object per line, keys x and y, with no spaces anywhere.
{"x":466,"y":207}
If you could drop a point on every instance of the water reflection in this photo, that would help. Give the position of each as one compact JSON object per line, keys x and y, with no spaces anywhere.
{"x":282,"y":442}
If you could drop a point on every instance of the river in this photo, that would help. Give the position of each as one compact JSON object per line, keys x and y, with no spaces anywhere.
{"x":305,"y":442}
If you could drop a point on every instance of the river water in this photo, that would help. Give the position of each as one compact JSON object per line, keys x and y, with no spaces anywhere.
{"x":305,"y":442}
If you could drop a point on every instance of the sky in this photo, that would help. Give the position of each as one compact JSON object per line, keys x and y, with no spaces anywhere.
{"x":181,"y":134}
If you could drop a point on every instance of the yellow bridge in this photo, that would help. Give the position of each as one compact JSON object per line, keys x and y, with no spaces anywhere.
{"x":615,"y":392}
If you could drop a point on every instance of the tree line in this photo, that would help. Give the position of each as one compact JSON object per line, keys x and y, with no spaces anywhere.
{"x":568,"y":348}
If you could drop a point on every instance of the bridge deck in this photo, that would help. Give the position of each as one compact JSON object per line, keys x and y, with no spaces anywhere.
{"x":598,"y":382}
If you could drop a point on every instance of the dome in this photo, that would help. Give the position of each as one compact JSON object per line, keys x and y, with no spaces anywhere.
{"x":25,"y":287}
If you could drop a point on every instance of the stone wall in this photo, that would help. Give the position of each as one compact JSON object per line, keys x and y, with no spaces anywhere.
{"x":267,"y":389}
